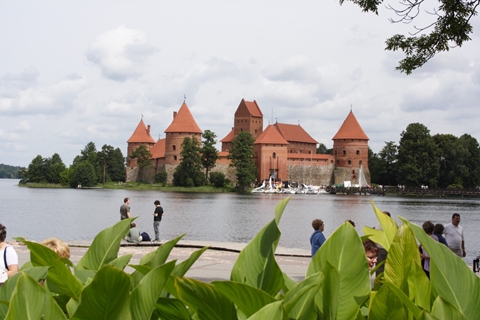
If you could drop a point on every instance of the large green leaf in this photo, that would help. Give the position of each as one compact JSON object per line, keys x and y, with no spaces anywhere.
{"x":444,"y":310}
{"x":389,"y":230}
{"x":247,"y":298}
{"x":37,"y":273}
{"x":451,"y":278}
{"x":121,"y":262}
{"x":60,"y":278}
{"x":106,"y":297}
{"x":32,"y":301}
{"x":179,"y":271}
{"x":299,"y":302}
{"x":171,"y":309}
{"x":256,"y":264}
{"x":205,"y":299}
{"x":105,"y":246}
{"x":273,"y":311}
{"x":144,"y":296}
{"x":387,"y":305}
{"x":342,"y":260}
{"x":161,"y":254}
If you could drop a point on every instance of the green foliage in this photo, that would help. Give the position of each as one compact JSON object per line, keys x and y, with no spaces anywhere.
{"x":161,"y":177}
{"x":209,"y":152}
{"x":337,"y":283}
{"x":143,"y":156}
{"x":418,"y":157}
{"x":84,"y":175}
{"x":10,"y":172}
{"x":322,"y":149}
{"x":451,"y":28}
{"x":241,"y":155}
{"x":189,"y":172}
{"x":218,"y":179}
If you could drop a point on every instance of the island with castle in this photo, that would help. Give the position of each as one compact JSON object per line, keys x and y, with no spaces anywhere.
{"x":283,"y":152}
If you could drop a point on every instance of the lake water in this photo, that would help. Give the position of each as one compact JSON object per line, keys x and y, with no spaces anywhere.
{"x":72,"y":214}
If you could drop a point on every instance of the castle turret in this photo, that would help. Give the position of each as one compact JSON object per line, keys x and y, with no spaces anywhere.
{"x":140,"y":136}
{"x":350,"y":148}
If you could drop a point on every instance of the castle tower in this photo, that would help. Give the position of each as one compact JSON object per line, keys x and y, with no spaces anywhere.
{"x":140,"y":136}
{"x":350,"y":148}
{"x":183,"y":125}
{"x":271,"y":155}
{"x":248,"y":117}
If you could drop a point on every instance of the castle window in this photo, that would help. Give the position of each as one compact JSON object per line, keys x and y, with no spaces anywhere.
{"x":358,"y":152}
{"x":175,"y":158}
{"x":335,"y":151}
{"x":274,"y":155}
{"x":344,"y":152}
{"x":338,"y":161}
{"x":241,"y":129}
{"x":174,"y":147}
{"x":255,"y":131}
{"x":349,"y":162}
{"x":353,"y":171}
{"x":331,"y":161}
{"x":360,"y":162}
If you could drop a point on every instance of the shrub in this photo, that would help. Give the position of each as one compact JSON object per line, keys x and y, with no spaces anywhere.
{"x":217,"y":179}
{"x":161,"y":177}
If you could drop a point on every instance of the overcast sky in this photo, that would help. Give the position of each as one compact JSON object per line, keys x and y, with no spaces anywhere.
{"x":72,"y":72}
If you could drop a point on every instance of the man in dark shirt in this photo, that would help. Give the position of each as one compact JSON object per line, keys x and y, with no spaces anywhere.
{"x":125,"y":209}
{"x":157,"y":217}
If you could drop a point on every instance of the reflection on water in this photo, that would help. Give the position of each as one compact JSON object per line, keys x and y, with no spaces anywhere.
{"x":73,"y":214}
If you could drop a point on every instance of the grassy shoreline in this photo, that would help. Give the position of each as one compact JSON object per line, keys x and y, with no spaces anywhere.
{"x":137,"y":186}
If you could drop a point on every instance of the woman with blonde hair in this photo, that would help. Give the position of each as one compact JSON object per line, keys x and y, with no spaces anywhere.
{"x":58,"y":246}
{"x":8,"y":257}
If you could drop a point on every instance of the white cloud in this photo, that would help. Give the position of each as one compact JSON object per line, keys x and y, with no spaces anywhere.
{"x":121,"y":54}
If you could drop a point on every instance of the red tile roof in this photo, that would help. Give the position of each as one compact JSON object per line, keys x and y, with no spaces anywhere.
{"x":270,"y":136}
{"x":158,"y":150}
{"x":183,"y":121}
{"x":350,"y":129}
{"x":228,"y":137}
{"x":253,"y":108}
{"x":294,"y":133}
{"x":141,"y":134}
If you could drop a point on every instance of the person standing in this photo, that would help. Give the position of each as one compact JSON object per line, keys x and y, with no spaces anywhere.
{"x":438,"y":231}
{"x":9,"y":257}
{"x":317,"y":238}
{"x":428,"y":227}
{"x":157,"y":217}
{"x":454,"y":236}
{"x":125,"y":209}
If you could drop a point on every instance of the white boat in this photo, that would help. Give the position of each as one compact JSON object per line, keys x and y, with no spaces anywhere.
{"x":260,"y":189}
{"x":270,"y":188}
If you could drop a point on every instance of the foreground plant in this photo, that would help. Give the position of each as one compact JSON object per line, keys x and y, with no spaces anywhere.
{"x":336,"y":286}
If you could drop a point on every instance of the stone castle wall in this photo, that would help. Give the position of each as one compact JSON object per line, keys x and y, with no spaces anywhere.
{"x":315,"y":175}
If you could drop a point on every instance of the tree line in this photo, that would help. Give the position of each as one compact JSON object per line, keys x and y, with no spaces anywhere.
{"x":441,"y":160}
{"x":89,"y":168}
{"x":9,"y":172}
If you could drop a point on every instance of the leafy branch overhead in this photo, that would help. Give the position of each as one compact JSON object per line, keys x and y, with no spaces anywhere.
{"x":451,"y":27}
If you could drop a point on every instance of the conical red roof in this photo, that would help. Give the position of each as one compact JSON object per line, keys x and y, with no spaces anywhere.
{"x":141,"y":134}
{"x":183,"y":121}
{"x":270,"y":136}
{"x":350,"y":129}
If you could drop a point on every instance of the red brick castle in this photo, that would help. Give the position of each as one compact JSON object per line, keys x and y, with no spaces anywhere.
{"x":282,"y":151}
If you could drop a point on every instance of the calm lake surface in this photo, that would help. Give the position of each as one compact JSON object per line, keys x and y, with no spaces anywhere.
{"x":72,"y":214}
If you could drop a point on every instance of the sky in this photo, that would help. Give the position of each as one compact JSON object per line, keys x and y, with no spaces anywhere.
{"x":72,"y":72}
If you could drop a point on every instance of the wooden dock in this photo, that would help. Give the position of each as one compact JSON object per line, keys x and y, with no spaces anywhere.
{"x":465,"y":193}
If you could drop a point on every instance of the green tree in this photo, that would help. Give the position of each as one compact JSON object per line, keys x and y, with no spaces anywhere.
{"x":375,"y":167}
{"x":388,"y":158}
{"x":84,"y":175}
{"x":208,"y":151}
{"x":9,"y":172}
{"x":66,"y":176}
{"x":161,"y":177}
{"x":451,"y":28}
{"x":116,"y":170}
{"x":418,"y":157}
{"x":322,"y":149}
{"x":189,"y":172}
{"x":55,"y":167}
{"x":472,"y":162}
{"x":143,"y":156}
{"x":241,"y":154}
{"x":37,"y":170}
{"x":90,"y":154}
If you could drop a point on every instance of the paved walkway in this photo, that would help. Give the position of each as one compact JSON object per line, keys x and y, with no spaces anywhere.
{"x":215,"y":263}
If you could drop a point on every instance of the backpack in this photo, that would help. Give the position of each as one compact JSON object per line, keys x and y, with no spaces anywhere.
{"x":145,"y":236}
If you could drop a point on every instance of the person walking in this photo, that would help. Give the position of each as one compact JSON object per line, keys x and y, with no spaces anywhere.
{"x":125,"y":209}
{"x":454,"y":236}
{"x":157,"y":217}
{"x":317,"y":238}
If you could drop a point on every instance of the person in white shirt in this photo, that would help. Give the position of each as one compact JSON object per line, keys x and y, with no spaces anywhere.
{"x":8,"y":257}
{"x":454,"y":236}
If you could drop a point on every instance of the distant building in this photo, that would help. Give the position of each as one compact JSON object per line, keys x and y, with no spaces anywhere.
{"x":285,"y":152}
